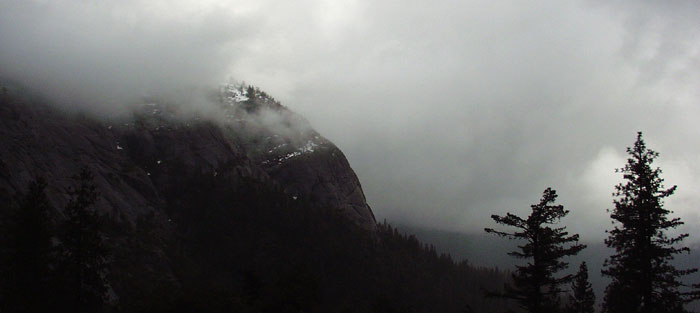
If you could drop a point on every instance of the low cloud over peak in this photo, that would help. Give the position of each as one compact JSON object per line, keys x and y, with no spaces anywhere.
{"x":105,"y":55}
{"x":449,"y":112}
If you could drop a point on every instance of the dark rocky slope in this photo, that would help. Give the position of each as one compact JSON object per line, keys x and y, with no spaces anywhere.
{"x":246,"y":210}
{"x":135,"y":159}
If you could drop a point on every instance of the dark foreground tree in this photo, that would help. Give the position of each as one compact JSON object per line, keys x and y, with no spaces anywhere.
{"x":535,"y":286}
{"x":82,"y":265}
{"x":582,"y":298}
{"x":643,"y":278}
{"x":27,"y":253}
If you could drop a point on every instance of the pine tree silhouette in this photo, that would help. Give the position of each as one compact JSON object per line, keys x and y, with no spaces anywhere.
{"x":535,"y":286}
{"x":83,"y":255}
{"x":582,"y":298}
{"x":643,"y":278}
{"x":27,"y":253}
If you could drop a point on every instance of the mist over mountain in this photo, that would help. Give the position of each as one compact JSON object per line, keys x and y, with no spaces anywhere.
{"x":250,"y":210}
{"x":447,"y":111}
{"x":432,"y":115}
{"x":251,"y":135}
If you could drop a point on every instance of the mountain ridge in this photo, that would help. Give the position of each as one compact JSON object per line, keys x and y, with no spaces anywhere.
{"x":258,"y":213}
{"x":132,"y":157}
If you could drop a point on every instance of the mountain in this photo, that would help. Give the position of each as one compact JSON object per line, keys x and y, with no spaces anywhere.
{"x":240,"y":207}
{"x":135,"y":159}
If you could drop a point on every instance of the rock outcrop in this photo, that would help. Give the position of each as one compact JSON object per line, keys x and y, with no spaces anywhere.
{"x":134,"y":159}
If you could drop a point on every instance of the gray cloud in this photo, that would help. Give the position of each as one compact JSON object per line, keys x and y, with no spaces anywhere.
{"x":448,"y":111}
{"x":103,"y":55}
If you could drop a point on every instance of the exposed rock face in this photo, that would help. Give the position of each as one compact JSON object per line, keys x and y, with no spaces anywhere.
{"x":135,"y":159}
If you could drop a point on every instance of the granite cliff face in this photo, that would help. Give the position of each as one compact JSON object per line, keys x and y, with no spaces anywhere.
{"x":246,"y":209}
{"x":134,"y":160}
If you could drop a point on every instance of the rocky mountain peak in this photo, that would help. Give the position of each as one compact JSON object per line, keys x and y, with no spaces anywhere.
{"x":136,"y":160}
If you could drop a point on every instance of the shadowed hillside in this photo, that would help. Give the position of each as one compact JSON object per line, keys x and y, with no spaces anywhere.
{"x":244,"y":215}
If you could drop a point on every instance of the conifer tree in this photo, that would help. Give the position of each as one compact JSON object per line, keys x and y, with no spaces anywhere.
{"x":582,"y":298}
{"x":643,"y":278}
{"x":535,"y":286}
{"x":27,"y":253}
{"x":83,"y":263}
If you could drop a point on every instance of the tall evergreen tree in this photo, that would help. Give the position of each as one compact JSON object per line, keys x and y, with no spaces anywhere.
{"x":643,"y":278}
{"x":27,"y":253}
{"x":582,"y":298}
{"x":83,"y":263}
{"x":535,"y":286}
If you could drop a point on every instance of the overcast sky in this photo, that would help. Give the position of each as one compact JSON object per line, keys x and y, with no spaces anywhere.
{"x":449,"y":111}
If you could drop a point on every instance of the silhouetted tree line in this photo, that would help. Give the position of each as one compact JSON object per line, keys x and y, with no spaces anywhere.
{"x":53,"y":267}
{"x":239,"y":245}
{"x":225,"y":243}
{"x":643,"y":278}
{"x":228,"y":244}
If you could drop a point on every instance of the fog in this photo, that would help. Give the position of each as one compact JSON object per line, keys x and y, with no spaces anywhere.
{"x":449,"y":111}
